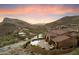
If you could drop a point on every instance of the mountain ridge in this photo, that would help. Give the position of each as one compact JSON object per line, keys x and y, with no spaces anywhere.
{"x":9,"y":25}
{"x":67,"y":20}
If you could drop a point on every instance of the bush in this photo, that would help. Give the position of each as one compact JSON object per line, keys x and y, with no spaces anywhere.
{"x":7,"y":39}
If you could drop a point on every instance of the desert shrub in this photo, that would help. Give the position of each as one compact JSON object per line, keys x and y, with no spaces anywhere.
{"x":7,"y":39}
{"x":76,"y":52}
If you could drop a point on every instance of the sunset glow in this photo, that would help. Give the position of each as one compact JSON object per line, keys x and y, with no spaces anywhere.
{"x":35,"y":14}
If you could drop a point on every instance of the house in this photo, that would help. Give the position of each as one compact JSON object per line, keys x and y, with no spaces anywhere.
{"x":64,"y":42}
{"x":22,"y":34}
{"x":62,"y":38}
{"x":54,"y":33}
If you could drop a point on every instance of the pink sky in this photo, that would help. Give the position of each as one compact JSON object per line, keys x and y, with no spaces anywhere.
{"x":37,"y":13}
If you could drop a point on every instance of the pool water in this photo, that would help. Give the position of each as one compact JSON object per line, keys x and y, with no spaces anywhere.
{"x":35,"y":42}
{"x":42,"y":44}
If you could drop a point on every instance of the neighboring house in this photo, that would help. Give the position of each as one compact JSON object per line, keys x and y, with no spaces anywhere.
{"x":22,"y":34}
{"x":62,"y":38}
{"x":40,"y":35}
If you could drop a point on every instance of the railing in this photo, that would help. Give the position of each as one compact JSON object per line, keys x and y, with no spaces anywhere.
{"x":37,"y":39}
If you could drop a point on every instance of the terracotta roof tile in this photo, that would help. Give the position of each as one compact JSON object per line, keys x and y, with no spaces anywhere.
{"x":58,"y":32}
{"x":60,"y":38}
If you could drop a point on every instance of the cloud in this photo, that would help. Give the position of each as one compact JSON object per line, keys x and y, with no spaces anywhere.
{"x":40,"y":10}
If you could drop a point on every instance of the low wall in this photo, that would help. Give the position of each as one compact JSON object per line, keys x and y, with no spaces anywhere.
{"x":39,"y":50}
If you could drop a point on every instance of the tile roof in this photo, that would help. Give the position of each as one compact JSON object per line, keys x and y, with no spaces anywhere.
{"x":59,"y":32}
{"x":60,"y":38}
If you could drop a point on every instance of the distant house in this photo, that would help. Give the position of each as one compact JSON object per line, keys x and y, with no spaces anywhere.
{"x":62,"y":38}
{"x":22,"y":34}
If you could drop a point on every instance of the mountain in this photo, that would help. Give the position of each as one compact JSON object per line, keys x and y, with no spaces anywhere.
{"x":9,"y":25}
{"x":16,"y":22}
{"x":67,"y":20}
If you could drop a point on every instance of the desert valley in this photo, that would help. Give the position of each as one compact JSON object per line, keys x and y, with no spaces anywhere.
{"x":21,"y":38}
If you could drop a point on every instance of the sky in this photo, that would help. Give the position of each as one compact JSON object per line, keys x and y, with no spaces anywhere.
{"x":38,"y":13}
